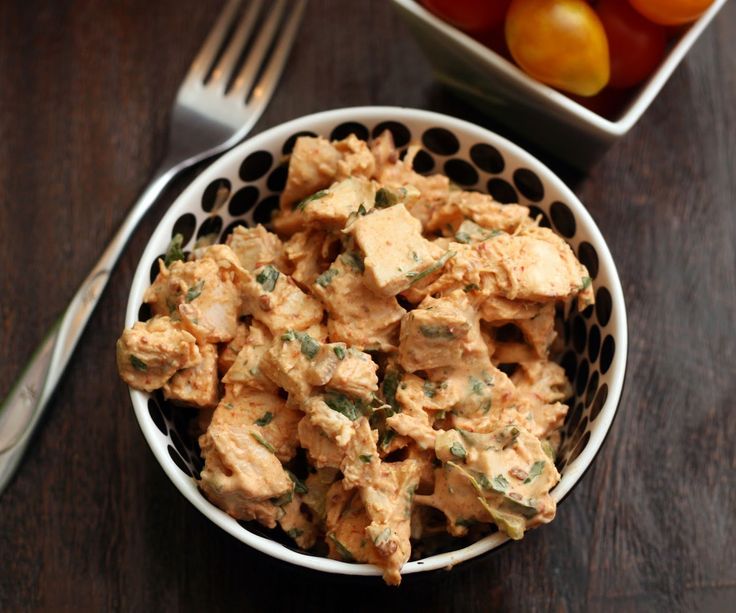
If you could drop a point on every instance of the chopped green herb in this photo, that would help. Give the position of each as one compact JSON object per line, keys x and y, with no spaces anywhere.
{"x":229,"y":405}
{"x":585,"y":283}
{"x":385,"y":198}
{"x":316,"y":196}
{"x":174,"y":250}
{"x":462,"y":237}
{"x":390,"y":385}
{"x":508,"y":438}
{"x":548,"y":450}
{"x":443,"y":332}
{"x":362,"y":210}
{"x":485,"y":406}
{"x":258,"y":438}
{"x":137,"y":363}
{"x":383,"y":537}
{"x":429,"y":390}
{"x":280,"y":501}
{"x":417,"y":276}
{"x":295,"y":533}
{"x":288,"y":336}
{"x":471,"y":287}
{"x":386,"y":438}
{"x":500,"y":483}
{"x":342,"y":551}
{"x":460,"y":521}
{"x":265,"y":420}
{"x":326,"y":277}
{"x":514,"y":506}
{"x":344,"y":405}
{"x":458,"y":450}
{"x":268,"y":278}
{"x":194,"y":292}
{"x":354,"y":259}
{"x":510,"y":524}
{"x":339,"y":352}
{"x":299,"y":486}
{"x":365,"y":458}
{"x":310,"y":347}
{"x":476,"y":386}
{"x":535,"y":470}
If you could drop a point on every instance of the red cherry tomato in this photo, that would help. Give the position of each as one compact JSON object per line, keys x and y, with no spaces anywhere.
{"x":671,"y":12}
{"x":469,"y":15}
{"x":559,"y":42}
{"x":636,"y":45}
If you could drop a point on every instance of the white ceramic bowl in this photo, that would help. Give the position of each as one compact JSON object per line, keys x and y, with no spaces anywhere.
{"x":542,"y":114}
{"x":242,"y":186}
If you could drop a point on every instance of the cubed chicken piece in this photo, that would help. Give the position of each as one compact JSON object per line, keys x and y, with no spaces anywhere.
{"x":322,"y":451}
{"x":312,"y":166}
{"x":196,"y":386}
{"x":334,"y":423}
{"x":148,"y":354}
{"x":206,"y":302}
{"x":257,"y":247}
{"x":242,"y":474}
{"x":498,"y":309}
{"x":357,"y":316}
{"x":539,"y":331}
{"x":354,"y":373}
{"x":333,"y":207}
{"x":356,"y":158}
{"x":296,"y":524}
{"x":435,"y":334}
{"x":396,"y":253}
{"x":388,"y":501}
{"x":275,"y":300}
{"x":230,"y":351}
{"x":384,"y":151}
{"x":287,"y":365}
{"x":318,"y":482}
{"x":226,"y":259}
{"x":309,"y":253}
{"x":246,"y":370}
{"x":433,"y":190}
{"x":545,"y":380}
{"x":502,"y":477}
{"x":512,"y":353}
{"x":346,"y":521}
{"x":416,"y":423}
{"x":481,"y":209}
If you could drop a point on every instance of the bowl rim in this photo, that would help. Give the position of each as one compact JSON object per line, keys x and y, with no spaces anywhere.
{"x":574,"y":470}
{"x":561,"y":102}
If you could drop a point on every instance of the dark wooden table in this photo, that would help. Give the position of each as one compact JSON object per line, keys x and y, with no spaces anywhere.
{"x":91,"y":522}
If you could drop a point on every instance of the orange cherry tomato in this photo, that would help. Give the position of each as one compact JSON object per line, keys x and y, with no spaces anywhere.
{"x":636,"y":45}
{"x":559,"y":42}
{"x":469,"y":15}
{"x":671,"y":12}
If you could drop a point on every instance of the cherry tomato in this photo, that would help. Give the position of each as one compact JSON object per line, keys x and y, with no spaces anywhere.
{"x":559,"y":42}
{"x":469,"y":15}
{"x":636,"y":45}
{"x":671,"y":12}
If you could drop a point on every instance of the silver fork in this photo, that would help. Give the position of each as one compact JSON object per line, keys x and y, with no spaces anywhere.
{"x":218,"y":103}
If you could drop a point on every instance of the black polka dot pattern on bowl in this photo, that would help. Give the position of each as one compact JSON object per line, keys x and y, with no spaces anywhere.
{"x":502,"y":191}
{"x":440,"y":141}
{"x":215,"y":195}
{"x":185,"y":225}
{"x":487,"y":158}
{"x":256,"y":165}
{"x":588,"y":256}
{"x":252,"y":197}
{"x":210,"y":227}
{"x":563,"y":219}
{"x":350,"y":127}
{"x":528,"y":184}
{"x":460,"y":172}
{"x":398,"y":130}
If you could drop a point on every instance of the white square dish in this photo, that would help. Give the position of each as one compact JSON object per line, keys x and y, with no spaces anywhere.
{"x":544,"y":115}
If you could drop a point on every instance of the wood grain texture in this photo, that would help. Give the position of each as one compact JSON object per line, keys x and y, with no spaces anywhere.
{"x":92,"y":523}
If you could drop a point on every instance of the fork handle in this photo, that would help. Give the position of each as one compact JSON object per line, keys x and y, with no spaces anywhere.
{"x":29,"y":396}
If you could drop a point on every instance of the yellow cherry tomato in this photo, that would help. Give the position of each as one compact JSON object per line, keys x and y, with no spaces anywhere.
{"x":671,"y":12}
{"x":559,"y":42}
